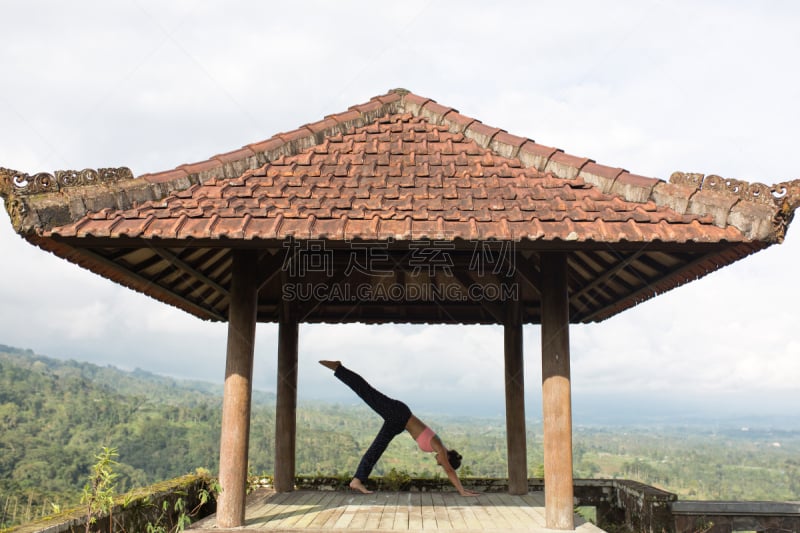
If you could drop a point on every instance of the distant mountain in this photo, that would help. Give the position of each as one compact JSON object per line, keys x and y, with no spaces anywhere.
{"x":56,"y":415}
{"x":136,"y":382}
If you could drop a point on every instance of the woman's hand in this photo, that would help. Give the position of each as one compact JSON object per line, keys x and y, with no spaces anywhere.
{"x":444,"y":462}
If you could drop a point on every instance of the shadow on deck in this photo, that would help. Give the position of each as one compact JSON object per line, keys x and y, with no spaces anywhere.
{"x":391,"y":511}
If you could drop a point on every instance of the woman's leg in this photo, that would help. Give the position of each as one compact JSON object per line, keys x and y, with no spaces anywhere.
{"x":394,"y":413}
{"x":387,"y":432}
{"x":379,"y":402}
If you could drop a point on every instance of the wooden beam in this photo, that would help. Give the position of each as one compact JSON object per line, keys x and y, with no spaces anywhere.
{"x":286,"y":402}
{"x":238,"y":390}
{"x":648,"y":290}
{"x":515,"y":400}
{"x":178,"y":263}
{"x":556,"y":393}
{"x":466,"y":279}
{"x":140,"y":283}
{"x":527,"y":271}
{"x":269,"y":266}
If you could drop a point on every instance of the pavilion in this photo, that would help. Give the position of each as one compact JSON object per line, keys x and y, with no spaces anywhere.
{"x":398,"y":210}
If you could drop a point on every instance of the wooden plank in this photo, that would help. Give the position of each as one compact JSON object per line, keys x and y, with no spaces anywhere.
{"x":535,"y":508}
{"x":294,"y":511}
{"x":359,"y":520}
{"x":375,"y":510}
{"x":312,"y":509}
{"x":327,"y":506}
{"x":396,"y":511}
{"x":145,"y":285}
{"x":455,"y":510}
{"x":414,"y":510}
{"x":182,"y":265}
{"x":471,"y":520}
{"x":481,"y":514}
{"x":333,"y":515}
{"x":495,"y":513}
{"x":428,"y":515}
{"x":350,"y":510}
{"x":390,"y":512}
{"x":265,"y":512}
{"x":401,"y":512}
{"x":255,"y":503}
{"x":441,"y":512}
{"x":510,"y":505}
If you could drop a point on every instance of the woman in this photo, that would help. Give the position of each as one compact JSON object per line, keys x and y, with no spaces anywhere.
{"x":397,"y":417}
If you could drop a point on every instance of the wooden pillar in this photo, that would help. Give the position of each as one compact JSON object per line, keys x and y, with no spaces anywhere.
{"x":286,"y":402}
{"x":238,"y":390}
{"x":556,"y":394}
{"x":515,"y":401}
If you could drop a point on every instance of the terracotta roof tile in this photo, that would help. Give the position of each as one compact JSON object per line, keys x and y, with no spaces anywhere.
{"x":456,"y":122}
{"x":507,"y":145}
{"x":204,"y":168}
{"x":368,"y":107}
{"x":535,"y":155}
{"x":481,"y":133}
{"x":415,"y":103}
{"x":346,"y":117}
{"x":565,"y":165}
{"x":435,"y":112}
{"x":266,"y":145}
{"x":392,"y":97}
{"x":601,"y":176}
{"x":421,"y":171}
{"x":718,"y":205}
{"x":379,"y":160}
{"x":633,"y":187}
{"x":166,"y":176}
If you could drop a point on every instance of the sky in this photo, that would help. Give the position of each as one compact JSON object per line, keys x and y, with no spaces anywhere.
{"x":650,"y":86}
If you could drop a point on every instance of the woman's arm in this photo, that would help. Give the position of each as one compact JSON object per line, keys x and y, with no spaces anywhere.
{"x":441,"y":458}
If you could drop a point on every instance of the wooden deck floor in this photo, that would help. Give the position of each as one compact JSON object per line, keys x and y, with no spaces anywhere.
{"x":392,"y":511}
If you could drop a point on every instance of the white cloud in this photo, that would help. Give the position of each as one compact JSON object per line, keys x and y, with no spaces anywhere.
{"x":649,"y":86}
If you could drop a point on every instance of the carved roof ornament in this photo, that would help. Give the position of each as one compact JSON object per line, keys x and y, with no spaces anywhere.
{"x":20,"y":183}
{"x":779,"y":195}
{"x":784,"y":197}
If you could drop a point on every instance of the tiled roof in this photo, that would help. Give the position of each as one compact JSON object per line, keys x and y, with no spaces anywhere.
{"x":399,"y":166}
{"x":402,"y":177}
{"x":406,"y":169}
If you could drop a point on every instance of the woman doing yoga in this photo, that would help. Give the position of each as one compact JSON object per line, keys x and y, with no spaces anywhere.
{"x":396,"y":418}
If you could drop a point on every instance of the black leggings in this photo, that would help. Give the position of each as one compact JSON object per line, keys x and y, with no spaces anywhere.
{"x":395,"y":416}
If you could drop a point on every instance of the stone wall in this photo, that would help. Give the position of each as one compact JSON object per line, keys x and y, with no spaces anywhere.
{"x":133,"y":511}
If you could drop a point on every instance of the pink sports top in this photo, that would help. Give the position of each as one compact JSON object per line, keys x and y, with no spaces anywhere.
{"x":425,"y":438}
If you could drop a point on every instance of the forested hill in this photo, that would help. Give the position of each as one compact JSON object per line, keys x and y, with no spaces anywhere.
{"x":56,"y":415}
{"x":138,"y":382}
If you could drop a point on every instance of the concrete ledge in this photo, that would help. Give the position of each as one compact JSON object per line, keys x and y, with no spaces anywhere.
{"x":725,"y":517}
{"x":737,"y":508}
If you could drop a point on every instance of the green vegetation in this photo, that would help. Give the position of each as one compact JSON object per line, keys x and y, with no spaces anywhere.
{"x":55,"y":415}
{"x":98,"y":493}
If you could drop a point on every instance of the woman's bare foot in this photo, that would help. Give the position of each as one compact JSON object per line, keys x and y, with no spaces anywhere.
{"x":333,"y":365}
{"x":356,"y":484}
